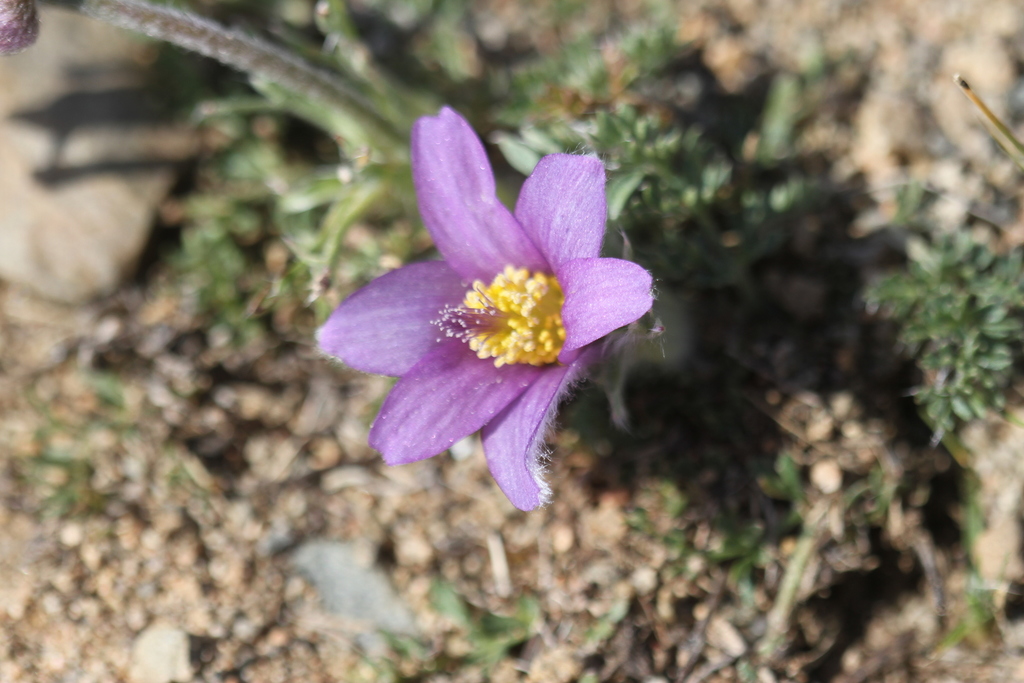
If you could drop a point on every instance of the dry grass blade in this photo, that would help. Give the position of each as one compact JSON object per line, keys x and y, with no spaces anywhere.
{"x":996,"y":128}
{"x":698,"y":637}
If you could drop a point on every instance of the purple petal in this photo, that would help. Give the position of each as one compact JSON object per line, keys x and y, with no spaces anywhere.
{"x":514,"y":440}
{"x":474,"y":231}
{"x":385,"y":327}
{"x":448,"y":395}
{"x":601,"y":295}
{"x":562,"y":207}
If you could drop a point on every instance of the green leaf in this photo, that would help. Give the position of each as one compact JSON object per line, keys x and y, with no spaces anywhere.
{"x":447,"y":603}
{"x":605,"y":626}
{"x":314,"y":191}
{"x":997,"y":359}
{"x":518,"y":155}
{"x":780,"y":116}
{"x":540,"y":141}
{"x":108,"y":388}
{"x":978,"y":406}
{"x":1002,"y":328}
{"x":620,"y":189}
{"x":961,"y":408}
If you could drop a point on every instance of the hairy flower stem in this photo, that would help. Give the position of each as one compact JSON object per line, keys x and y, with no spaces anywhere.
{"x":19,"y":25}
{"x":778,"y":620}
{"x":250,"y":54}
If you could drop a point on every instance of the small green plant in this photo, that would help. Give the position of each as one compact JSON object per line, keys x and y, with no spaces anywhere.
{"x":67,"y":480}
{"x":491,"y":635}
{"x":61,"y":471}
{"x":581,"y":79}
{"x":960,"y":307}
{"x":692,"y":214}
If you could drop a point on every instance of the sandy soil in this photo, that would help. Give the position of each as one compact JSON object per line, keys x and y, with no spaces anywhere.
{"x":153,"y":477}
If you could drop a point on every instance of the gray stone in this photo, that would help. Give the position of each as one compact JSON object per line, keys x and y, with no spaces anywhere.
{"x":161,"y":655}
{"x":350,"y":589}
{"x":84,"y":160}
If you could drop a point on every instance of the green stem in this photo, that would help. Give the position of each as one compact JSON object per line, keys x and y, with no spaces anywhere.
{"x":250,"y":54}
{"x":785,"y":601}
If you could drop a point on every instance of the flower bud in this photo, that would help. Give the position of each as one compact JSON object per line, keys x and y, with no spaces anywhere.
{"x":19,"y":25}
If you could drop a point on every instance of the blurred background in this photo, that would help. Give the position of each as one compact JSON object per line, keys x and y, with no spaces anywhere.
{"x":813,"y":473}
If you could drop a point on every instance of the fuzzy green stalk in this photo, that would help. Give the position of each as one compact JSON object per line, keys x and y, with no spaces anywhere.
{"x":254,"y":56}
{"x":779,"y":615}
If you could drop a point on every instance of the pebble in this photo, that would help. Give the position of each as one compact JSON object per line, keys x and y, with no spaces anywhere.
{"x":644,"y":580}
{"x":413,"y":549}
{"x":324,"y":453}
{"x":820,"y":427}
{"x":562,"y":538}
{"x":464,"y":448}
{"x":602,"y":527}
{"x":842,"y":404}
{"x":558,"y":665}
{"x":66,"y":231}
{"x":827,"y":476}
{"x":350,"y":589}
{"x":726,"y":637}
{"x":71,"y":534}
{"x":161,"y":655}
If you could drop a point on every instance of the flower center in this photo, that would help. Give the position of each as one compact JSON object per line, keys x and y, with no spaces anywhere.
{"x":515,"y":319}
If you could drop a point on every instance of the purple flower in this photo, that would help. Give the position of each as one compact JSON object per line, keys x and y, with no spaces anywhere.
{"x":19,"y":25}
{"x":492,"y":337}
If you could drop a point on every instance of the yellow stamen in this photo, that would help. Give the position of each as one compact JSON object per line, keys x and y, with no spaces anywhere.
{"x":520,"y":318}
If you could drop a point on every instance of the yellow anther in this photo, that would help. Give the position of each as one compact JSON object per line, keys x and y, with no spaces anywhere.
{"x":521,"y":318}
